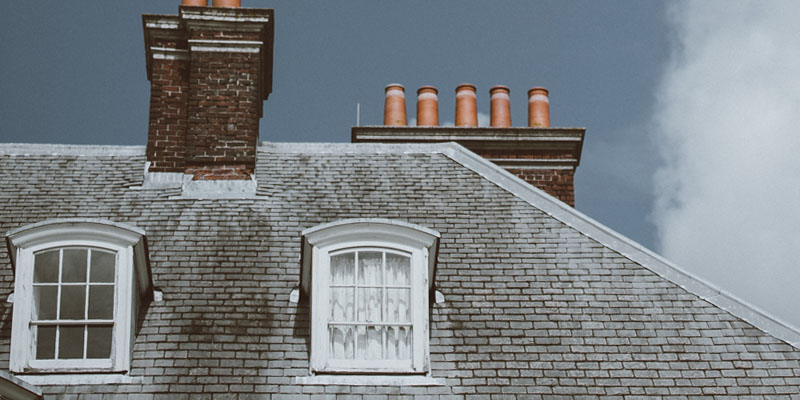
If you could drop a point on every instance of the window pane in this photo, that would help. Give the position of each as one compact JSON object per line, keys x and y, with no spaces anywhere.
{"x":98,"y":343}
{"x":45,"y":266}
{"x":44,"y":299}
{"x":342,"y":300}
{"x":398,"y":305}
{"x":370,"y":268}
{"x":369,"y":304}
{"x":342,"y":344}
{"x":342,"y":269}
{"x":70,"y":342}
{"x":45,"y":342}
{"x":74,"y":268}
{"x":101,"y":302}
{"x":369,"y":343}
{"x":398,"y":269}
{"x":398,"y":343}
{"x":102,"y":266}
{"x":73,"y":302}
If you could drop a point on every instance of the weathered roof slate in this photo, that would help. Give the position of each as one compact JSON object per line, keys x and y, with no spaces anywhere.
{"x":537,"y":304}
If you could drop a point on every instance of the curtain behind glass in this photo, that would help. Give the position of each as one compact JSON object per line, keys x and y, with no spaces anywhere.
{"x":370,"y":306}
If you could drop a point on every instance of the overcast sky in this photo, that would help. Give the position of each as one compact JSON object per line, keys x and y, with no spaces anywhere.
{"x":690,"y":109}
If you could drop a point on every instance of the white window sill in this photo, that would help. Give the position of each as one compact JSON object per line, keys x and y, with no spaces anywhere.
{"x":370,"y":380}
{"x":77,"y":379}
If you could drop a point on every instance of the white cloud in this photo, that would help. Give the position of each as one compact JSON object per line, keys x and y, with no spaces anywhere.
{"x":728,"y":194}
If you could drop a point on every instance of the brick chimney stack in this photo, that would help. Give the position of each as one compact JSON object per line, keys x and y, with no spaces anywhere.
{"x":542,"y":156}
{"x":210,"y":69}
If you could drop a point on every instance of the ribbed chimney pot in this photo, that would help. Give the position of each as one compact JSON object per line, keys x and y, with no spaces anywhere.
{"x":538,"y":107}
{"x":195,"y":3}
{"x":427,"y":106}
{"x":394,"y":110}
{"x":500,"y":106}
{"x":466,"y":106}
{"x":227,"y":3}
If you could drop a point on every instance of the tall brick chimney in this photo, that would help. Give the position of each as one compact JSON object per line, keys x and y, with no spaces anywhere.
{"x":543,"y":156}
{"x":210,"y":69}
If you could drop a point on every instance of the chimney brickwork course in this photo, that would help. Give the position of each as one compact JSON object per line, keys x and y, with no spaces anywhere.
{"x":210,"y":69}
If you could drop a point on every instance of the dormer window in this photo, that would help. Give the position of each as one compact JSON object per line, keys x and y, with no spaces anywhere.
{"x":369,"y":281}
{"x":72,"y":316}
{"x":78,"y":285}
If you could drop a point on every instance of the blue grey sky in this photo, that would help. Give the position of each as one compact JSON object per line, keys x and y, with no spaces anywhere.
{"x":690,"y":106}
{"x":75,"y":73}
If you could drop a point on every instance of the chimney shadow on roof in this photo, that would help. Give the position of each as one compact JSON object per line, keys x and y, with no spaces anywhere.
{"x":5,"y":321}
{"x":300,"y":327}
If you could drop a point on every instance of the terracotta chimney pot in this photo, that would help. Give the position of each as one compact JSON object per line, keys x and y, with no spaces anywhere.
{"x":538,"y":107}
{"x":500,"y":106}
{"x":227,"y":3}
{"x":195,"y":3}
{"x":427,"y":106}
{"x":394,"y":110}
{"x":466,"y":106}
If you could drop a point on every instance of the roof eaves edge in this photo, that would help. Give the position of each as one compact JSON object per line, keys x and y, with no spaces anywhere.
{"x":621,"y":244}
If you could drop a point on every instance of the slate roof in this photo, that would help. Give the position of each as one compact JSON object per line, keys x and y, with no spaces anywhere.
{"x":540,"y":302}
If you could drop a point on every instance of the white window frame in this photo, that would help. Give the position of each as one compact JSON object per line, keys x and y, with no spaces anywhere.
{"x":133,"y":284}
{"x":320,"y":242}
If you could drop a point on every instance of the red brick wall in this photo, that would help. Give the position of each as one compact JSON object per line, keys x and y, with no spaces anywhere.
{"x":169,"y":89}
{"x":556,"y":182}
{"x":223,"y":109}
{"x":205,"y":99}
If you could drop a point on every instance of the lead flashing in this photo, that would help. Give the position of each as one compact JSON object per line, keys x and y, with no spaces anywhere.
{"x":217,"y":189}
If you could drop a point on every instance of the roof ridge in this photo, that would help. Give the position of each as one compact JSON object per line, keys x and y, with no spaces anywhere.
{"x":620,"y":243}
{"x":345,"y":148}
{"x":69,"y":149}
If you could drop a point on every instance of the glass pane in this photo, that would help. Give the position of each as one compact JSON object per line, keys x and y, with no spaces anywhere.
{"x":74,"y":267}
{"x":45,"y":342}
{"x":44,"y":300}
{"x":398,"y":343}
{"x":73,"y":301}
{"x":70,"y":342}
{"x":398,"y":269}
{"x":370,"y":343}
{"x":98,"y":343}
{"x":342,"y":342}
{"x":102,"y":266}
{"x":342,"y":269}
{"x":45,"y":266}
{"x":370,"y":268}
{"x":398,"y":305}
{"x":342,"y":300}
{"x":101,"y":302}
{"x":369,"y":304}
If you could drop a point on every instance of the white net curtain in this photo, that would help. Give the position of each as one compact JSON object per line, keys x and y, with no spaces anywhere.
{"x":370,"y":305}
